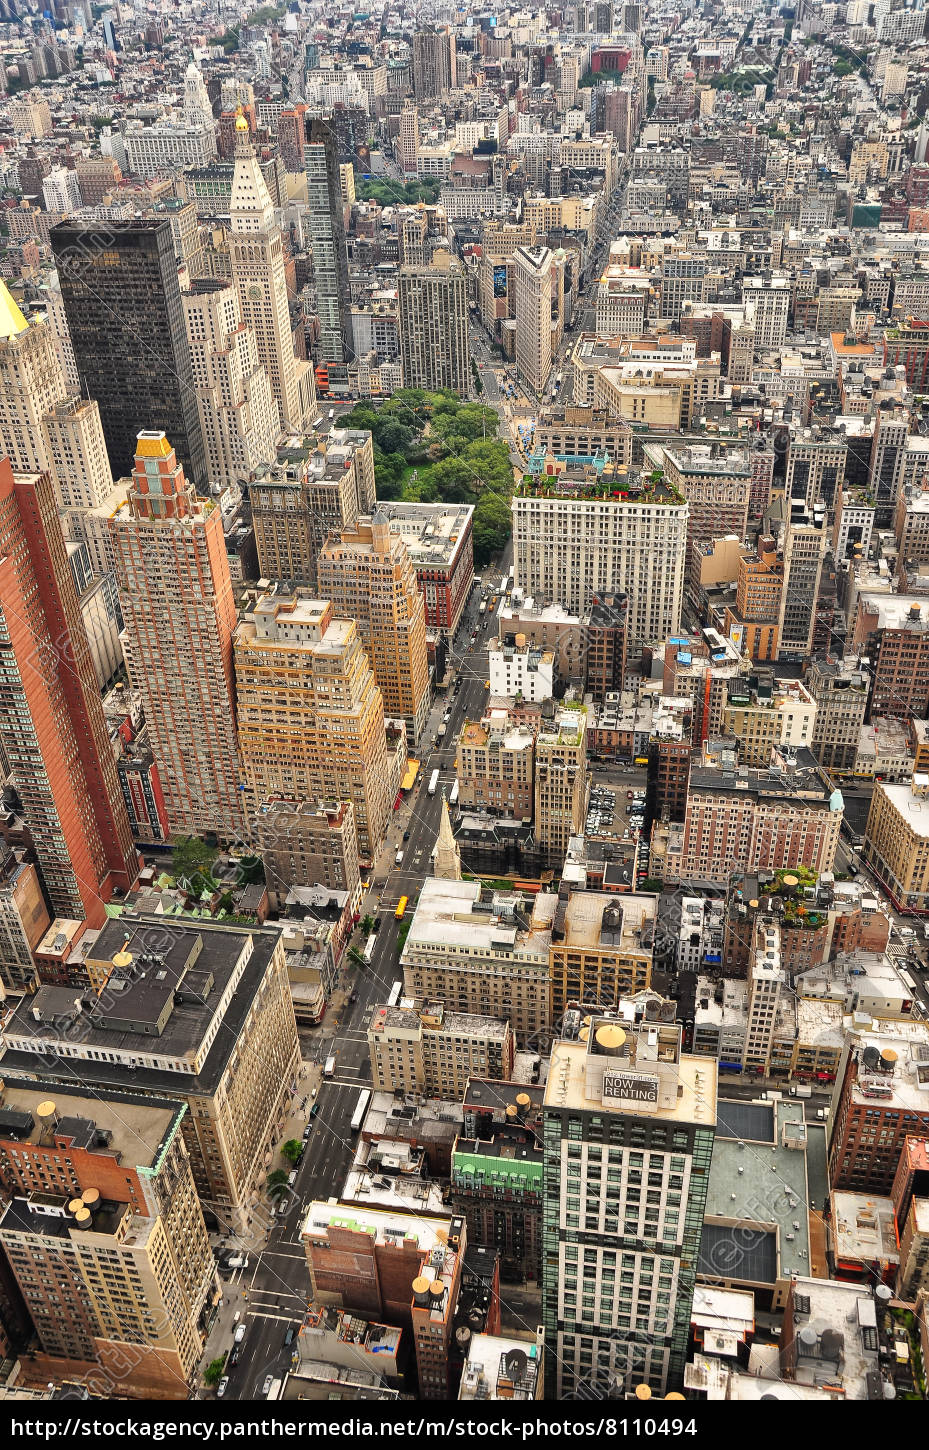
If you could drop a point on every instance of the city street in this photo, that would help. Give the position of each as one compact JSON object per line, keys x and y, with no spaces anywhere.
{"x":271,"y":1295}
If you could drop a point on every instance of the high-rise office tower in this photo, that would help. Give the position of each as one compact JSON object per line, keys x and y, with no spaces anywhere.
{"x":408,"y":140}
{"x":52,"y":729}
{"x":888,"y":451}
{"x":315,"y":487}
{"x":533,"y":280}
{"x":30,"y":386}
{"x":61,"y":337}
{"x":434,"y":64}
{"x":434,"y":325}
{"x":576,"y":544}
{"x":180,"y":616}
{"x":42,"y":426}
{"x":123,"y":304}
{"x":257,"y":257}
{"x":367,"y":573}
{"x":628,"y":1128}
{"x":311,"y":718}
{"x":770,"y":294}
{"x":560,"y":781}
{"x":326,"y":229}
{"x":238,"y":414}
{"x":804,"y":550}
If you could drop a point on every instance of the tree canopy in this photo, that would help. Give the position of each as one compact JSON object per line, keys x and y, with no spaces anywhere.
{"x":452,"y":448}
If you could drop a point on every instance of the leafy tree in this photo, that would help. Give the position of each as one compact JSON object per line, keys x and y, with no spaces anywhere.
{"x":843,"y":68}
{"x":454,"y":481}
{"x":192,"y":860}
{"x":471,"y":423}
{"x":251,"y":870}
{"x":389,"y":469}
{"x":490,"y":461}
{"x":214,"y":1371}
{"x":391,"y":435}
{"x":277,"y":1183}
{"x":367,"y":925}
{"x":361,"y":416}
{"x":292,"y":1150}
{"x":422,"y":490}
{"x":492,"y":524}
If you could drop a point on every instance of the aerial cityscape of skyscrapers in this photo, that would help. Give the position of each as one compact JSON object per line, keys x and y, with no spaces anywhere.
{"x":464,"y":707}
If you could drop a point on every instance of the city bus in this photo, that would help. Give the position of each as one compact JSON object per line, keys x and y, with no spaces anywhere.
{"x":370,"y":944}
{"x":395,"y":991}
{"x":401,"y":907}
{"x":361,"y":1107}
{"x":453,"y":795}
{"x":433,"y":783}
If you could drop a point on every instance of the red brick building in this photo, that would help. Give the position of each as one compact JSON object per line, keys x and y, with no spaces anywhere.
{"x":881,"y":1104}
{"x":52,"y":727}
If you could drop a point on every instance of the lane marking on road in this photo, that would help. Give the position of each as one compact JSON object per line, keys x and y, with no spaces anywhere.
{"x":284,"y":1318}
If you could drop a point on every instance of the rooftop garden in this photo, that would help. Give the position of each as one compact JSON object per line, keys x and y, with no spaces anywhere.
{"x":651,"y":487}
{"x":797,"y":911}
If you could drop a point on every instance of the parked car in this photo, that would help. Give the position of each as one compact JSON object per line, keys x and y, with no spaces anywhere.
{"x":353,"y":998}
{"x":239,"y":1334}
{"x":222,"y":1387}
{"x":406,"y":835}
{"x":269,"y":1381}
{"x":289,"y":1337}
{"x":307,"y":1131}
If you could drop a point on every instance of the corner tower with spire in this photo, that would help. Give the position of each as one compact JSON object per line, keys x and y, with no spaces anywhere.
{"x":446,"y":856}
{"x":257,"y":257}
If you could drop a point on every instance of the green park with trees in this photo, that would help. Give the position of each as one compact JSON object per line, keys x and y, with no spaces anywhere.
{"x":434,"y":448}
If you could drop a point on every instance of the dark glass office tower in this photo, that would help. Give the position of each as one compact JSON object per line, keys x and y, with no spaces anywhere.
{"x":327,"y":234}
{"x":123,"y":305}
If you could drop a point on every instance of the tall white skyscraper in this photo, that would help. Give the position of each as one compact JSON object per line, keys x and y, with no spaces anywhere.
{"x":238,"y":414}
{"x":628,"y":1128}
{"x":534,"y":278}
{"x":42,"y":425}
{"x":197,"y":108}
{"x":257,"y":256}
